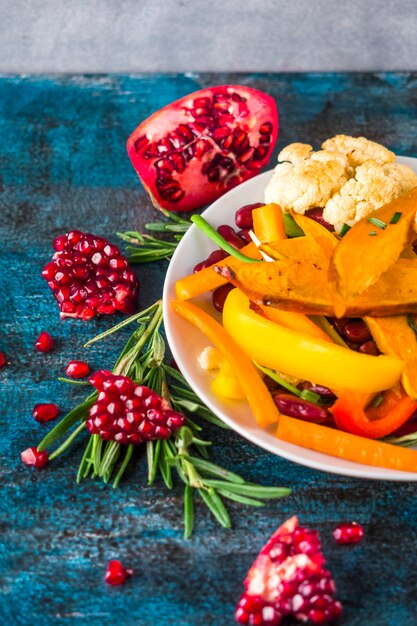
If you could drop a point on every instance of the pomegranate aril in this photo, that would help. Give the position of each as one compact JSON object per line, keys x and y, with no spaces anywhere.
{"x":348,"y":532}
{"x":116,"y":573}
{"x":219,"y":295}
{"x":230,"y":236}
{"x":300,"y":408}
{"x":2,"y":359}
{"x":32,"y":457}
{"x":44,"y":342}
{"x":45,"y":412}
{"x":77,"y":369}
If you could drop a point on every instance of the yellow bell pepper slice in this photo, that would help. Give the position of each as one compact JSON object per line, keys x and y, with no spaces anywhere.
{"x":259,"y":399}
{"x":303,"y":356}
{"x":226,"y":384}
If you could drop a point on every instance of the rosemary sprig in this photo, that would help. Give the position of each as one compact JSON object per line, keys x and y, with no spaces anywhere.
{"x":146,"y":248}
{"x":184,"y":456}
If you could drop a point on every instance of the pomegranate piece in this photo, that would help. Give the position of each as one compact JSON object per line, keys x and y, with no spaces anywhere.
{"x":45,"y":412}
{"x":348,"y":532}
{"x":77,"y":369}
{"x":32,"y":457}
{"x":288,"y":579}
{"x":89,"y":276}
{"x":195,"y":149}
{"x":2,"y":359}
{"x":116,"y":574}
{"x":44,"y":342}
{"x":129,"y":413}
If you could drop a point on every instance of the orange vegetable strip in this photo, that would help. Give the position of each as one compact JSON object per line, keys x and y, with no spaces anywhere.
{"x":255,"y":390}
{"x":207,"y":279}
{"x":268,"y":223}
{"x":296,"y":321}
{"x":373,"y":422}
{"x":345,"y":445}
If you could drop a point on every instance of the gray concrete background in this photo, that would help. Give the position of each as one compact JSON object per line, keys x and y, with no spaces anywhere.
{"x":206,"y":35}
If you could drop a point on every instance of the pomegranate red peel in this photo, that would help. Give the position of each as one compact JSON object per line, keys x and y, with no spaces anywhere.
{"x":89,"y":276}
{"x":195,"y":149}
{"x":288,"y":578}
{"x":2,"y":359}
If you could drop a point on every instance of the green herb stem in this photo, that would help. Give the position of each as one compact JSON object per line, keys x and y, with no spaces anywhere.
{"x":212,"y":233}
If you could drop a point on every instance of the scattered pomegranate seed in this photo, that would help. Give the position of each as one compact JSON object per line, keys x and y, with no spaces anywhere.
{"x":129,"y":413}
{"x":89,"y":276}
{"x":348,"y":532}
{"x":44,"y":342}
{"x":116,"y":574}
{"x":77,"y":369}
{"x":45,"y":412}
{"x":288,"y":578}
{"x":32,"y":457}
{"x":2,"y":359}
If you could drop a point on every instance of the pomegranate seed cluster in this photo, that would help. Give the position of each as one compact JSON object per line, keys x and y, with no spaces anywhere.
{"x":129,"y":413}
{"x":288,"y":579}
{"x":89,"y":276}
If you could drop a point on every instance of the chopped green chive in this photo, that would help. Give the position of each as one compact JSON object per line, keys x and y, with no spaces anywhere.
{"x":310,"y":396}
{"x":376,"y":222}
{"x":372,"y":233}
{"x":345,"y":228}
{"x":396,"y":217}
{"x":377,"y":400}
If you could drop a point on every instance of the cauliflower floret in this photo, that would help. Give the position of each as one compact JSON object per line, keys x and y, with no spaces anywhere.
{"x":359,"y":149}
{"x":373,"y":186}
{"x":307,"y":182}
{"x":295,"y":152}
{"x":404,"y":175}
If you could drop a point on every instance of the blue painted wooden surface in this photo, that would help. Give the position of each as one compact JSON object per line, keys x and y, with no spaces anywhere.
{"x":63,"y":165}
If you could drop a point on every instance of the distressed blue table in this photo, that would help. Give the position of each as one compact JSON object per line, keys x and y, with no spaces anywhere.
{"x":63,"y":165}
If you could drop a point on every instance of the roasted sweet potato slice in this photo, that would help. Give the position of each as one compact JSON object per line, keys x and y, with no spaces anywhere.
{"x":371,"y":246}
{"x":322,"y":239}
{"x":300,"y":248}
{"x":395,"y":337}
{"x":301,"y":286}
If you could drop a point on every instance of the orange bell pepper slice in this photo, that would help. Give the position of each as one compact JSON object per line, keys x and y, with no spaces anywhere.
{"x":373,"y":422}
{"x":260,"y":400}
{"x":345,"y":445}
{"x":268,"y":223}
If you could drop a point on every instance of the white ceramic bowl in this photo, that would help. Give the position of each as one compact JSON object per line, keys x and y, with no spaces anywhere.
{"x":186,"y":342}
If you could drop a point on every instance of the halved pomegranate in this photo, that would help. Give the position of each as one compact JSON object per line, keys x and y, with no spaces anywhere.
{"x":192,"y":151}
{"x":288,"y":578}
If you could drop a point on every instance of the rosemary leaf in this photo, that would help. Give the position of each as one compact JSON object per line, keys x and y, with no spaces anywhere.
{"x":152,"y":451}
{"x":241,"y":499}
{"x":80,"y":412}
{"x":188,"y":511}
{"x":215,"y":470}
{"x":249,"y":489}
{"x":68,"y":441}
{"x":85,"y":461}
{"x":128,"y":456}
{"x":213,"y":501}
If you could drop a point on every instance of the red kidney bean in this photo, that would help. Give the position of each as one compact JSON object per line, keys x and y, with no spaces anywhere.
{"x":369,"y":347}
{"x":339,"y":324}
{"x":230,"y":235}
{"x":297,"y":407}
{"x":243,"y":216}
{"x":219,"y":296}
{"x":322,"y":391}
{"x":215,"y":257}
{"x":357,"y":331}
{"x":316,"y":214}
{"x":352,"y":345}
{"x":244,"y":234}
